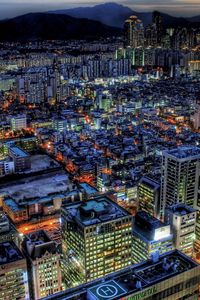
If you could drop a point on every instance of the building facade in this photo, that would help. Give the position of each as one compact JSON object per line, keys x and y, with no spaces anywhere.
{"x":150,"y":237}
{"x":13,"y":273}
{"x":149,"y":195}
{"x":182,"y":220}
{"x":43,"y":265}
{"x":96,"y":240}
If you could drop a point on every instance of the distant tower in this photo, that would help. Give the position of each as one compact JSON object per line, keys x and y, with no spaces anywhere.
{"x":157,"y":20}
{"x":134,"y":32}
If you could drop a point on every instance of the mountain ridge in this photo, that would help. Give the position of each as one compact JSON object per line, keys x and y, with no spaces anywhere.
{"x":117,"y":13}
{"x":46,"y":26}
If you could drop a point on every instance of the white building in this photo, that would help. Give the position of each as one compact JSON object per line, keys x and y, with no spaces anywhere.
{"x":18,"y":122}
{"x":6,"y":167}
{"x":182,"y":219}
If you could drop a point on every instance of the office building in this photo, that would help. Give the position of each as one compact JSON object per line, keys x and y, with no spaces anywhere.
{"x":180,"y":182}
{"x":96,"y":240}
{"x":169,"y":277}
{"x":149,"y":195}
{"x":13,"y":273}
{"x":182,"y":220}
{"x":44,"y":271}
{"x":150,"y":237}
{"x":180,"y":177}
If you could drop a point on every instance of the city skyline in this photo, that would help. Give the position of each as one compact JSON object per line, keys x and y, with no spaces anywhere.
{"x":183,"y":8}
{"x":99,"y":150}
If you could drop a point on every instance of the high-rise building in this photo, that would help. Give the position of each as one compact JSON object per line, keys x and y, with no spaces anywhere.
{"x":157,"y":19}
{"x":180,"y":177}
{"x":182,"y":219}
{"x":44,"y":271}
{"x":149,"y":195}
{"x":180,"y":182}
{"x":151,"y":36}
{"x":134,"y":32}
{"x":150,"y":237}
{"x":96,"y":240}
{"x":13,"y":273}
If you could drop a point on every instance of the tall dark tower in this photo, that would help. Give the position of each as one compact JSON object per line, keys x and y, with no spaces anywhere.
{"x":157,"y":19}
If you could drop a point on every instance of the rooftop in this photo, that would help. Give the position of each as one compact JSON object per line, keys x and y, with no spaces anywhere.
{"x":148,"y":220}
{"x":18,"y":152}
{"x":42,"y":162}
{"x":13,"y":205}
{"x":133,"y":279}
{"x":148,"y":228}
{"x":9,"y":252}
{"x":38,"y":243}
{"x":95,"y":211}
{"x":149,"y":182}
{"x":181,"y":209}
{"x":183,"y":152}
{"x":88,"y":188}
{"x":36,"y":186}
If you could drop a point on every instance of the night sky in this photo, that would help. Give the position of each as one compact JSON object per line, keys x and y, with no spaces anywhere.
{"x":12,"y":8}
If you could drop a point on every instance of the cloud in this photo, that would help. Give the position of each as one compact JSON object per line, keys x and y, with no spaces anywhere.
{"x":12,"y":8}
{"x":174,"y":7}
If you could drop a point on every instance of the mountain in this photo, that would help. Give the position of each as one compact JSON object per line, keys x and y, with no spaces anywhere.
{"x":48,"y":26}
{"x":113,"y":14}
{"x":195,"y":19}
{"x":170,"y":21}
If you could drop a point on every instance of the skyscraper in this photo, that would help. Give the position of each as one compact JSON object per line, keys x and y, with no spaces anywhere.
{"x":158,"y":21}
{"x":180,"y":177}
{"x":180,"y":182}
{"x":96,"y":240}
{"x":134,"y":32}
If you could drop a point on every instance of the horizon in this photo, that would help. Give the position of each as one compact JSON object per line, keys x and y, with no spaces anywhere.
{"x":178,"y":8}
